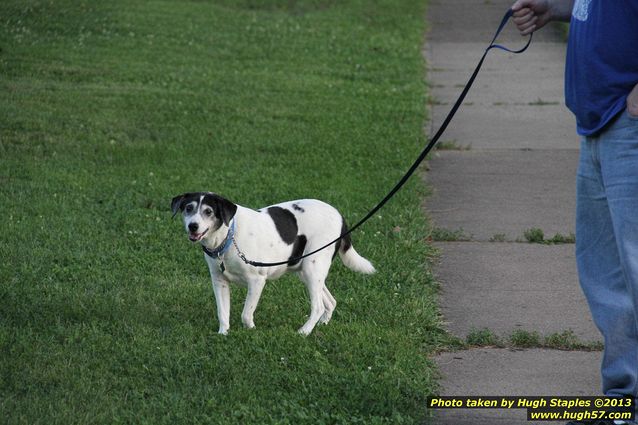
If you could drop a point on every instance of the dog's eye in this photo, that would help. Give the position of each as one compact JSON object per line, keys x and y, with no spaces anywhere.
{"x":189,"y":209}
{"x":208,"y":212}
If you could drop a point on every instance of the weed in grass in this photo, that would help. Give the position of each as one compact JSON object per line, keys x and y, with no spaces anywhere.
{"x":436,"y":102}
{"x":564,"y":29}
{"x":536,"y":235}
{"x":559,"y":238}
{"x":498,"y":237}
{"x":452,"y":145}
{"x":567,"y":340}
{"x":440,"y":234}
{"x":482,"y":338}
{"x":525,"y":339}
{"x":541,"y":102}
{"x":562,"y":340}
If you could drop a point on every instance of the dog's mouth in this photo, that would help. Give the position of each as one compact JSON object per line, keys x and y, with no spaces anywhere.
{"x":194,"y":237}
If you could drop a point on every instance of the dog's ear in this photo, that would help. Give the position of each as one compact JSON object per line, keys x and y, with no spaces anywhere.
{"x":224,"y":209}
{"x":177,"y":203}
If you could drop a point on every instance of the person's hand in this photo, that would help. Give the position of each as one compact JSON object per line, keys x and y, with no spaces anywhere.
{"x":632,"y":102}
{"x":531,"y":15}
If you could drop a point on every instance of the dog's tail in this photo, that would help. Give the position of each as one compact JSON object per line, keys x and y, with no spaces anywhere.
{"x":351,"y":258}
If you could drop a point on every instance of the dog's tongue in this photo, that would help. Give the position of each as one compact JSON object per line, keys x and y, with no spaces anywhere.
{"x":194,"y":236}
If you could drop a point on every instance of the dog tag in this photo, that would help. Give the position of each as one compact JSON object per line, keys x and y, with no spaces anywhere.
{"x":222,"y":267}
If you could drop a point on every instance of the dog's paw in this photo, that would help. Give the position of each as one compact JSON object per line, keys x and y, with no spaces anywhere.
{"x":303,"y":331}
{"x":248,"y":322}
{"x":325,"y":318}
{"x":223,"y":332}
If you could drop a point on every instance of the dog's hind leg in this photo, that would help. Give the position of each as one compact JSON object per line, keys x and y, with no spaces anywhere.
{"x":313,"y":274}
{"x":315,"y":292}
{"x":255,"y":287}
{"x":329,"y":304}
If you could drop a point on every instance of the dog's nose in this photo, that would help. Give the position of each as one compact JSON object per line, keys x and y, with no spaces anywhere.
{"x":193,"y":227}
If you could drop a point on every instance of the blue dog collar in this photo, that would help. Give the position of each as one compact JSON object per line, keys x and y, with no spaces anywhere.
{"x":225,"y":245}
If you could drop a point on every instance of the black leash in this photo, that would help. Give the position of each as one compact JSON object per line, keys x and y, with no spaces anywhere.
{"x":419,"y":159}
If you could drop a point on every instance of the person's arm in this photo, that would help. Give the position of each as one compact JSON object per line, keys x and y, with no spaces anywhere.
{"x":632,"y":102}
{"x":532,"y":15}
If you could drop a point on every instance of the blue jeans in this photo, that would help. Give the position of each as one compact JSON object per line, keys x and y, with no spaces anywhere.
{"x":607,"y":247}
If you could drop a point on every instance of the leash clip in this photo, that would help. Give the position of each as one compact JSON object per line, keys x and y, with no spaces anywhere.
{"x":241,"y":254}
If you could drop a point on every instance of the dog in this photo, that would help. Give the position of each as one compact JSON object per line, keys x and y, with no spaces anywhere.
{"x":227,"y":232}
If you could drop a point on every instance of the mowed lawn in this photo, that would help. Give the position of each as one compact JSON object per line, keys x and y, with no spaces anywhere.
{"x":108,"y":109}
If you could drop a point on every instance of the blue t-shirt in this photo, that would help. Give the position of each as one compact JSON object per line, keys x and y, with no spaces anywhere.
{"x":602,"y":61}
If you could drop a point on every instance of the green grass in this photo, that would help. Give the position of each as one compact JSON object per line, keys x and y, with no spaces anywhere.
{"x":525,"y":339}
{"x":541,"y":102}
{"x":520,"y":338}
{"x":441,"y":234}
{"x":564,"y":30}
{"x":536,"y":235}
{"x":498,"y":237}
{"x":452,"y":145}
{"x":482,"y":338}
{"x":108,"y":110}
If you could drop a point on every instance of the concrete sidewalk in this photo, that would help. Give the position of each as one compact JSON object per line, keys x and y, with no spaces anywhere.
{"x":509,"y":167}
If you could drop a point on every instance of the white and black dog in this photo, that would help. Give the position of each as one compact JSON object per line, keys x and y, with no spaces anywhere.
{"x":276,"y":233}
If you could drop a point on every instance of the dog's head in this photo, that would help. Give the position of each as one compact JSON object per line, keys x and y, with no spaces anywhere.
{"x":203,"y":213}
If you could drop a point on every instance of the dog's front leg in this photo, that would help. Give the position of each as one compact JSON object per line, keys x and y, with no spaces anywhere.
{"x":255,"y":287}
{"x":221,"y":288}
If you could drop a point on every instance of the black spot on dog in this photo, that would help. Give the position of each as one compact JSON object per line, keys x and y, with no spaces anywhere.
{"x":297,"y":249}
{"x":298,"y":208}
{"x":345,"y":242}
{"x":285,"y":222}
